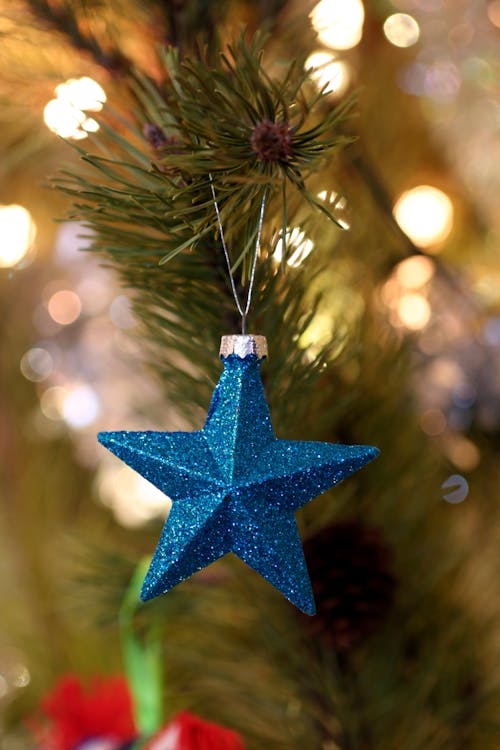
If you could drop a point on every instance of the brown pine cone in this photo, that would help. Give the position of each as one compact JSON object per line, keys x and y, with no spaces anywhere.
{"x":349,"y":565}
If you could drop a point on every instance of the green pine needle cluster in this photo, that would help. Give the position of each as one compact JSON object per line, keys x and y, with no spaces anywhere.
{"x":203,"y":126}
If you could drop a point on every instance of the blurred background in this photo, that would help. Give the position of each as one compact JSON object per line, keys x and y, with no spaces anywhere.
{"x":417,"y":196}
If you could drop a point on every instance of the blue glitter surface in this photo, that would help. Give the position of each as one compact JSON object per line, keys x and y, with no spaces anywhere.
{"x":235,"y":487}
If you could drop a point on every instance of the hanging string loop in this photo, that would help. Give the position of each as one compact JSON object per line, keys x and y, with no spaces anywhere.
{"x":242,"y":310}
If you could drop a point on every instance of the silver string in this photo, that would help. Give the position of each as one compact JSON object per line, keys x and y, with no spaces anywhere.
{"x":242,"y":311}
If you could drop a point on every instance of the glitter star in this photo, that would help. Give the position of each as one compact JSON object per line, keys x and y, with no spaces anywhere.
{"x":235,"y":487}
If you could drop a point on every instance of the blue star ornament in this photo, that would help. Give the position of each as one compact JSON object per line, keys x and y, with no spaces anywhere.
{"x":234,"y":486}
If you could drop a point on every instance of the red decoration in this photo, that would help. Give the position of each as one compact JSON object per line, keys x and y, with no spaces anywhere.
{"x":103,"y":711}
{"x":189,"y":732}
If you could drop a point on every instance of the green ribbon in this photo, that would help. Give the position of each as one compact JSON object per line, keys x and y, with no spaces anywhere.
{"x":142,"y":658}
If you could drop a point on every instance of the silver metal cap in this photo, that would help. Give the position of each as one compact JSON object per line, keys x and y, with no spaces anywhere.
{"x":242,"y":345}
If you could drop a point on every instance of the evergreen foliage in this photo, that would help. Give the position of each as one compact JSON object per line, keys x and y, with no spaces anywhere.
{"x":203,"y":125}
{"x":233,"y":650}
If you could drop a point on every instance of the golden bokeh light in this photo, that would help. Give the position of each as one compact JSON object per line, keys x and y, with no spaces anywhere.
{"x":51,"y":402}
{"x":415,"y":272}
{"x":425,"y":214}
{"x":298,"y":247}
{"x":339,"y":23}
{"x":463,"y":452}
{"x":66,"y":115}
{"x":333,"y":198}
{"x":318,"y":334}
{"x":414,"y":311}
{"x":329,"y":74}
{"x":17,"y":233}
{"x":343,"y":224}
{"x":493,"y":11}
{"x":64,"y":307}
{"x":402,"y":30}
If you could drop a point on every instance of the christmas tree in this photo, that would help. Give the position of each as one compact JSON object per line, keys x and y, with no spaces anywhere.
{"x":321,"y":174}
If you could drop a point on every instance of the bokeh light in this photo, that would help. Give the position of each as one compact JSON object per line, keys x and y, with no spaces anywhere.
{"x":439,"y":80}
{"x":402,"y":30}
{"x":298,"y":247}
{"x":94,"y":292}
{"x":71,"y":238}
{"x":64,"y":307}
{"x":17,"y":233}
{"x":414,"y":311}
{"x":21,"y":676}
{"x":14,"y":674}
{"x":80,"y":406}
{"x":36,"y":364}
{"x":343,"y":224}
{"x":491,"y":331}
{"x":463,"y":452}
{"x":64,"y":120}
{"x":339,"y":23}
{"x":493,"y":11}
{"x":445,"y":373}
{"x":77,"y":405}
{"x":66,"y":115}
{"x":333,"y":198}
{"x":82,"y":93}
{"x":425,"y":214}
{"x":329,"y":74}
{"x":133,"y":500}
{"x":456,"y":489}
{"x":464,"y":395}
{"x":415,"y":272}
{"x":120,"y":312}
{"x":433,"y":422}
{"x":51,"y":402}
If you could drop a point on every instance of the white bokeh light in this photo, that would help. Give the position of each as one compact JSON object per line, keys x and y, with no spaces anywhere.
{"x":339,"y":23}
{"x":36,"y":364}
{"x":425,"y":214}
{"x":17,"y":234}
{"x":402,"y":30}
{"x":80,"y":406}
{"x":82,"y":93}
{"x":329,"y":74}
{"x":66,"y":115}
{"x":64,"y":120}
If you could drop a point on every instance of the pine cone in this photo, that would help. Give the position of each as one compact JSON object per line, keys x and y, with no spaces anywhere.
{"x":272,"y":141}
{"x":349,"y":566}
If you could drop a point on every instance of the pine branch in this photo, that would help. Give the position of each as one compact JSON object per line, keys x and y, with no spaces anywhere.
{"x":221,"y":120}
